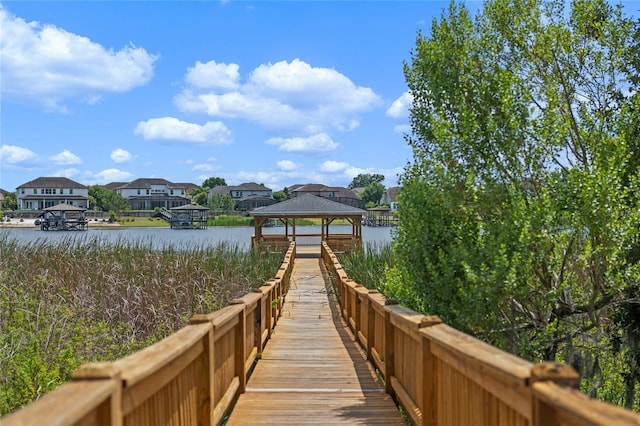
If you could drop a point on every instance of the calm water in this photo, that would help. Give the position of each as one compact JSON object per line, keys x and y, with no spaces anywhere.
{"x":183,"y":238}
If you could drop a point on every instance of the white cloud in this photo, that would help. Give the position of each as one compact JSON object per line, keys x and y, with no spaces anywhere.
{"x":44,"y":64}
{"x":286,"y":95}
{"x":319,"y":143}
{"x":333,"y":166}
{"x":16,"y":155}
{"x":66,"y":158}
{"x":400,"y":107}
{"x":68,"y":173}
{"x":213,"y":75}
{"x":213,"y":132}
{"x":287,"y":165}
{"x":113,"y":175}
{"x":205,"y":167}
{"x":120,"y":155}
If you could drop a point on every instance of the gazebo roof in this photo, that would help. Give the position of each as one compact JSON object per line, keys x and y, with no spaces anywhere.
{"x":190,"y":207}
{"x":307,"y":206}
{"x":62,"y":207}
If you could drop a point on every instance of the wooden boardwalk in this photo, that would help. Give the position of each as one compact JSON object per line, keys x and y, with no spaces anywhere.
{"x":311,"y":371}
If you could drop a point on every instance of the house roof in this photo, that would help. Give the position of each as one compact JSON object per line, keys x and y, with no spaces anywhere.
{"x":226,"y":189}
{"x":52,"y":182}
{"x":62,"y":207}
{"x":307,"y":205}
{"x":188,"y":185}
{"x":190,"y":207}
{"x":145,"y":183}
{"x":114,"y":185}
{"x":392,"y":193}
{"x":318,"y":187}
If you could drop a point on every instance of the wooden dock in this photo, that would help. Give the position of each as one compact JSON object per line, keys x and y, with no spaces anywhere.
{"x":312,"y":371}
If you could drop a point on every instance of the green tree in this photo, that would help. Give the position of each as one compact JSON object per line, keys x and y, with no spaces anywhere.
{"x":280,"y":196}
{"x":365,"y":179}
{"x":200,"y":195}
{"x":372,"y":194}
{"x":106,"y":199}
{"x":10,"y":201}
{"x":212,"y":182}
{"x":518,"y":214}
{"x":222,"y":202}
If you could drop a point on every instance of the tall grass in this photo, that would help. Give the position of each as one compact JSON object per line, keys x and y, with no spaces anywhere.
{"x":367,"y":266}
{"x":226,"y":220}
{"x":67,"y":303}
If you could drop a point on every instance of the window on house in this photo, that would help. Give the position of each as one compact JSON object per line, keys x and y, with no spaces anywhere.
{"x":61,"y":191}
{"x":172,"y":192}
{"x":70,"y":191}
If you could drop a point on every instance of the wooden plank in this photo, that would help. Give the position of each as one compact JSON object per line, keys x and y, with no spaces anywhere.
{"x":312,"y":371}
{"x":87,"y":396}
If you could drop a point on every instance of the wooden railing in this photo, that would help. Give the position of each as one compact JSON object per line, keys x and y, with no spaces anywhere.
{"x":189,"y":378}
{"x":442,"y":376}
{"x":438,"y":374}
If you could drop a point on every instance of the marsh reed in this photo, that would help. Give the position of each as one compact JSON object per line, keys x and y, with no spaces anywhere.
{"x":80,"y":300}
{"x":367,"y":267}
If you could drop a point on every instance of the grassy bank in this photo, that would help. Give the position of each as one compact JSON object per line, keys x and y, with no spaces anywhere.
{"x":68,"y":303}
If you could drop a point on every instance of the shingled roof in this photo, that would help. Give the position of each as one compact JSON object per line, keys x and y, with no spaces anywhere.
{"x":52,"y":182}
{"x":307,"y":206}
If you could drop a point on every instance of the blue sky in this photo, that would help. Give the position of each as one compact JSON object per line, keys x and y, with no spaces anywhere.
{"x":278,"y":93}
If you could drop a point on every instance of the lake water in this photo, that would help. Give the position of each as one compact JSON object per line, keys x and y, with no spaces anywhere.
{"x":184,"y":238}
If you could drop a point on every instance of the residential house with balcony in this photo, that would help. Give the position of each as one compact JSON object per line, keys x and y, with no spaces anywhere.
{"x":247,"y":196}
{"x":152,"y":193}
{"x":333,"y":193}
{"x":44,"y":192}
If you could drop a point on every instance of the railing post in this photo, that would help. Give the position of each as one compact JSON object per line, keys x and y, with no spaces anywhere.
{"x":558,"y":373}
{"x":112,"y":416}
{"x":371,"y":325}
{"x":428,"y":405}
{"x":240,"y":355}
{"x":389,"y":349}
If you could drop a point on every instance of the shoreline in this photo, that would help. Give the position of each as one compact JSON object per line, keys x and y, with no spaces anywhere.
{"x":30,"y":223}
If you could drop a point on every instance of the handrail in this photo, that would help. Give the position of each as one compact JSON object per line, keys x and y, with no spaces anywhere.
{"x":443,"y":376}
{"x":192,"y":377}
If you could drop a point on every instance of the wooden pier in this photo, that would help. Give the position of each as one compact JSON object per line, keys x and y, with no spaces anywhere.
{"x":285,"y":354}
{"x":312,"y":363}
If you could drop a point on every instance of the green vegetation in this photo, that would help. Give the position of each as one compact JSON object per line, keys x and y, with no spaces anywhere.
{"x":519,"y":212}
{"x":224,"y":220}
{"x":142,"y":222}
{"x":200,"y":194}
{"x":368,"y":267}
{"x":106,"y":200}
{"x":67,"y":303}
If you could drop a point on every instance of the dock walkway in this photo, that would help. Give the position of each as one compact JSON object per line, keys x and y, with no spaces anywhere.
{"x":311,"y":370}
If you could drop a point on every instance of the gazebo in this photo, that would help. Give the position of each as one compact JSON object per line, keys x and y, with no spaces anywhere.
{"x":63,"y":217}
{"x":190,"y":216}
{"x":308,"y":207}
